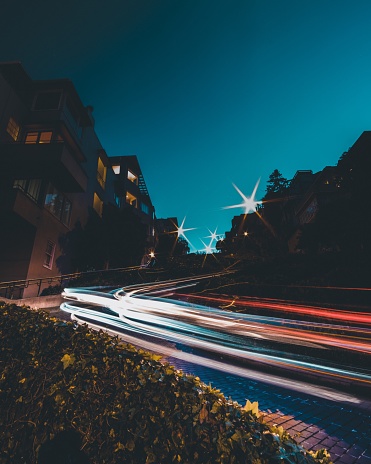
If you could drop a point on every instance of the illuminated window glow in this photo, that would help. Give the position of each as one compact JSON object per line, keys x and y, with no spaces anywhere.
{"x":13,"y":129}
{"x":131,"y":199}
{"x":98,"y":204}
{"x":132,"y":177}
{"x":101,"y":173}
{"x":116,"y":169}
{"x":39,"y":137}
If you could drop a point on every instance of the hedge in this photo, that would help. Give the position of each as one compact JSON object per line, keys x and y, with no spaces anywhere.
{"x":125,"y":405}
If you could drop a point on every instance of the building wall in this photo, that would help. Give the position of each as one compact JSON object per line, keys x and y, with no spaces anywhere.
{"x":31,"y":225}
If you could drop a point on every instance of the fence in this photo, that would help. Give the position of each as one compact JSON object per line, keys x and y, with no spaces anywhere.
{"x":14,"y":289}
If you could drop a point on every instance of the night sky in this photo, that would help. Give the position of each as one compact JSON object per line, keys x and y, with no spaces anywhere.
{"x":206,"y":92}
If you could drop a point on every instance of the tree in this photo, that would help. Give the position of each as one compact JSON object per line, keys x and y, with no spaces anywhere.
{"x":276,"y":184}
{"x":170,"y":245}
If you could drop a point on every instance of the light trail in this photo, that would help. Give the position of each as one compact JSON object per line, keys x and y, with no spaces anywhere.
{"x":259,"y":340}
{"x":317,"y":311}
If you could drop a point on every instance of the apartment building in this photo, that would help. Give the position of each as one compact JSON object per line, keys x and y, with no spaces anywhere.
{"x":54,"y":174}
{"x":131,"y":192}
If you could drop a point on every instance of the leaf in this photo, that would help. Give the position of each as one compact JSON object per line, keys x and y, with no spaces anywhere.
{"x":252,"y":407}
{"x":23,"y":380}
{"x":119,"y":446}
{"x":94,"y":370}
{"x":204,"y":414}
{"x":67,"y":360}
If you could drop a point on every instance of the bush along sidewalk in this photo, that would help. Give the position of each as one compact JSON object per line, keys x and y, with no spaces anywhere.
{"x":123,"y":404}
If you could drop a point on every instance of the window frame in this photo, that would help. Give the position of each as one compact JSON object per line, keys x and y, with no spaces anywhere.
{"x":49,"y":255}
{"x":38,"y":137}
{"x":27,"y":186}
{"x":13,"y":128}
{"x":58,"y":212}
{"x":98,"y":201}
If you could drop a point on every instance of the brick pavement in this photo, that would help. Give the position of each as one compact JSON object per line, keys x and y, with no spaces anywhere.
{"x":344,"y":429}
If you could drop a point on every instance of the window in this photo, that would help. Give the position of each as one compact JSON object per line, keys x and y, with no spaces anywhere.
{"x":49,"y":254}
{"x":116,"y":169}
{"x":58,"y":205}
{"x":131,"y":199}
{"x":98,"y":204}
{"x":47,"y":100}
{"x":101,"y":173}
{"x":39,"y":137}
{"x":144,"y":208}
{"x":117,"y":200}
{"x":13,"y":129}
{"x":133,"y":177}
{"x":31,"y":187}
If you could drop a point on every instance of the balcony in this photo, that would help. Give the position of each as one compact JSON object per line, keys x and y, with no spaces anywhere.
{"x":51,"y":161}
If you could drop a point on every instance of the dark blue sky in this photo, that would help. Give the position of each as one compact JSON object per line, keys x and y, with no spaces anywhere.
{"x":207,"y":92}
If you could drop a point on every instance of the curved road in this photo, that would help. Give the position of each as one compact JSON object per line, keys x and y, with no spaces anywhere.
{"x":264,"y":358}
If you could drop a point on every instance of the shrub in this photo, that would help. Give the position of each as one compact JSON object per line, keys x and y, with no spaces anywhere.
{"x":126,"y":406}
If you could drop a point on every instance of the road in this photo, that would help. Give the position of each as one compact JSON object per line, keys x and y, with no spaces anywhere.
{"x":309,"y":372}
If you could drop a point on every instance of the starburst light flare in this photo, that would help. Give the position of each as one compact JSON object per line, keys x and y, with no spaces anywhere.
{"x":214,"y":235}
{"x":208,"y":248}
{"x":249,"y":203}
{"x":181,"y":229}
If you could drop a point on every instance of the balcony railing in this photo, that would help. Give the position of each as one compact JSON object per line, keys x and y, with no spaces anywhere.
{"x":49,"y":160}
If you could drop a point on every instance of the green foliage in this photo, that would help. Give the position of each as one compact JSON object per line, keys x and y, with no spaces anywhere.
{"x":127,"y":406}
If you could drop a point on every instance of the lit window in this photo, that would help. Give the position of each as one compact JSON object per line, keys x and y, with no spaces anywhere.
{"x":132,"y":177}
{"x":13,"y":129}
{"x":98,"y":204}
{"x":39,"y":137}
{"x":58,"y":205}
{"x":101,"y":173}
{"x":30,"y":187}
{"x":49,"y":254}
{"x":131,"y":199}
{"x":45,"y":137}
{"x":116,"y":169}
{"x":32,"y":137}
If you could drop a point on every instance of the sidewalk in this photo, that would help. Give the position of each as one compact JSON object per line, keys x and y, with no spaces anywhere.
{"x":343,"y":429}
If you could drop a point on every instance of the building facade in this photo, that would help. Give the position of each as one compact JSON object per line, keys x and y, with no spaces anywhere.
{"x":130,"y":191}
{"x":54,"y":173}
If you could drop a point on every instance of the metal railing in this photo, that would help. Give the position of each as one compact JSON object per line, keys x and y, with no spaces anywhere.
{"x":14,"y":289}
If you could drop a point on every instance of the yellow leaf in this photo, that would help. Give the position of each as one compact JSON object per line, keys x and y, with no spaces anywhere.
{"x":19,"y":400}
{"x":22,"y":381}
{"x":253,"y":407}
{"x":119,"y":446}
{"x":94,"y":370}
{"x":67,"y":360}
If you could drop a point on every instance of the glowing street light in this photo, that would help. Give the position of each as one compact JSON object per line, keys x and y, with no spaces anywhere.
{"x":249,"y":203}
